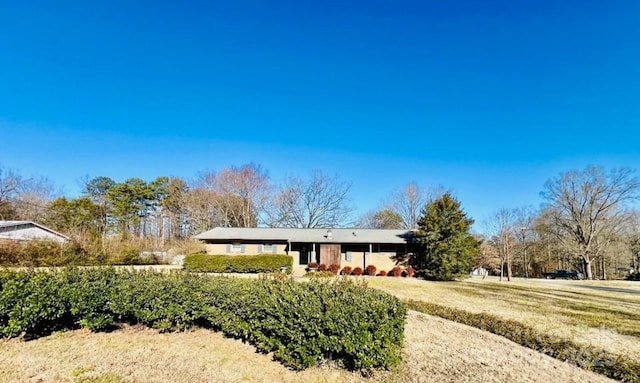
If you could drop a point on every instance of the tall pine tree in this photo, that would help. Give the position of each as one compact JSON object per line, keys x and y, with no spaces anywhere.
{"x":448,"y":248}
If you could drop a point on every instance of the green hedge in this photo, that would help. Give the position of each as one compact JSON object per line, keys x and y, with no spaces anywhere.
{"x":588,"y":357}
{"x":301,"y":323}
{"x":265,"y":263}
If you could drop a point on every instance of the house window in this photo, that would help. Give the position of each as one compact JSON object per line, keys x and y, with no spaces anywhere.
{"x":236,"y":247}
{"x":387,"y":248}
{"x":268,"y":248}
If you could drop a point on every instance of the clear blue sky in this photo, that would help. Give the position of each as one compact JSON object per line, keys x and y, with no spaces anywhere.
{"x":488,"y":99}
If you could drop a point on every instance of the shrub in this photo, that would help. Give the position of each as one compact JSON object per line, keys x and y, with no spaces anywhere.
{"x":42,"y":253}
{"x":320,"y":274}
{"x":633,"y":277}
{"x":126,"y":254}
{"x":322,"y":267}
{"x":396,"y":272}
{"x":302,"y":324}
{"x":264,"y":263}
{"x":89,"y":297}
{"x":312,"y":265}
{"x":346,"y":270}
{"x":381,"y":273}
{"x":370,"y":270}
{"x":357,"y":271}
{"x":334,"y":268}
{"x":30,"y":304}
{"x":410,"y":272}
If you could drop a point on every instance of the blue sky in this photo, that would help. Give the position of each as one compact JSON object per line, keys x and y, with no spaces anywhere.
{"x":488,"y":99}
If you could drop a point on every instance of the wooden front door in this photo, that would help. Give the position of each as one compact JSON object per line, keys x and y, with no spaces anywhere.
{"x":330,"y":254}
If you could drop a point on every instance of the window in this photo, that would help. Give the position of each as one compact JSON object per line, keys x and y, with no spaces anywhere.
{"x":236,"y":247}
{"x":387,"y":248}
{"x":268,"y":248}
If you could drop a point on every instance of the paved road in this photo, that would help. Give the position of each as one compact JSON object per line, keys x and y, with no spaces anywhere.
{"x":612,"y":289}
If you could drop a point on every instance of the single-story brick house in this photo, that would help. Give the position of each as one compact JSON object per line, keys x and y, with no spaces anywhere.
{"x":345,"y":247}
{"x":29,"y":231}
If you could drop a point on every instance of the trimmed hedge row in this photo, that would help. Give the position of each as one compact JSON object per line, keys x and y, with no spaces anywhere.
{"x":266,"y":263}
{"x":590,"y":358}
{"x":301,"y":323}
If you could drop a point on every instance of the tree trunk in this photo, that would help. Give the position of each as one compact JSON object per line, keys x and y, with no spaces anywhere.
{"x":508,"y":259}
{"x":587,"y":267}
{"x":526,"y":262}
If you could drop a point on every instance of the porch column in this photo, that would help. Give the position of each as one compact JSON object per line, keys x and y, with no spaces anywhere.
{"x":365,"y":256}
{"x":313,"y":253}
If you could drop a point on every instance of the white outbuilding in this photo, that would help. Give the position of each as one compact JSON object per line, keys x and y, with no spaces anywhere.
{"x":29,"y":231}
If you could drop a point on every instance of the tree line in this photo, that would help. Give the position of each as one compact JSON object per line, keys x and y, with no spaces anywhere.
{"x":174,"y":208}
{"x":587,"y":221}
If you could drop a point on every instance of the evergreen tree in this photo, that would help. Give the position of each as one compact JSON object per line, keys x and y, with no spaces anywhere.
{"x":448,"y":248}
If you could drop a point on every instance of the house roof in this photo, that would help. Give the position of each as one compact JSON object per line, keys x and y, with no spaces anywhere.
{"x":308,"y":235}
{"x":21,"y":230}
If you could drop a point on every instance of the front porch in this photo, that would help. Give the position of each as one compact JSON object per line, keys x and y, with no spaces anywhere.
{"x":350,"y":254}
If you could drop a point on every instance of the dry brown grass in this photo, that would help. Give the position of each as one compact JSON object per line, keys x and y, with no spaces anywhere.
{"x":436,"y":351}
{"x":137,"y":354}
{"x":601,"y":314}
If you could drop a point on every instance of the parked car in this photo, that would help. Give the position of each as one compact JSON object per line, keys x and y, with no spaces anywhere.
{"x":563,"y":274}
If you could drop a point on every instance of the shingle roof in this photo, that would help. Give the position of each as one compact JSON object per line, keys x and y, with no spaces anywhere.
{"x":308,"y":235}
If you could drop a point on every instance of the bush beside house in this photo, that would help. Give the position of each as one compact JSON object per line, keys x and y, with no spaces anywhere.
{"x":264,"y":263}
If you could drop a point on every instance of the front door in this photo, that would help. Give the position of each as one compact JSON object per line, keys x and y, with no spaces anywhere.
{"x":304,"y":255}
{"x":330,"y":254}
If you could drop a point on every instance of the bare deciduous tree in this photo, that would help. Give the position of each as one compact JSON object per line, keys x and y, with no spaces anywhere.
{"x":587,"y":204}
{"x":633,"y":240}
{"x":501,"y":227}
{"x":381,"y":219}
{"x":489,"y":256}
{"x":409,"y":201}
{"x":10,"y":186}
{"x":524,"y":218}
{"x":31,"y":202}
{"x":24,"y":198}
{"x":241,"y":193}
{"x":318,"y":202}
{"x":402,"y":209}
{"x":200,"y":210}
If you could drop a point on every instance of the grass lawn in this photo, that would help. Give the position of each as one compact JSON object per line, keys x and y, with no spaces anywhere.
{"x":436,"y":350}
{"x":598,"y":313}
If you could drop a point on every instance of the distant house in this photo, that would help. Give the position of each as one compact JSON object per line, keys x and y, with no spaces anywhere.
{"x":479,"y":271}
{"x":29,"y":231}
{"x":345,"y":247}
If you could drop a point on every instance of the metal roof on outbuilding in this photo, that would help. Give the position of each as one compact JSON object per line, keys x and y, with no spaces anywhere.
{"x":308,"y":235}
{"x":29,"y":230}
